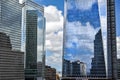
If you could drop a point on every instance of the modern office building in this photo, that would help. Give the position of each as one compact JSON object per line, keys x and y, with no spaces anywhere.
{"x":11,"y":62}
{"x":111,"y":40}
{"x":98,"y":62}
{"x":118,"y":68}
{"x":74,"y":69}
{"x":82,"y":22}
{"x":78,"y":69}
{"x":10,"y":21}
{"x":66,"y":72}
{"x":34,"y":31}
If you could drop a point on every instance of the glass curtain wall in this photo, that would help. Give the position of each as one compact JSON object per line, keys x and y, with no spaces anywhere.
{"x":33,"y":39}
{"x":10,"y":21}
{"x":83,"y":51}
{"x":117,"y":17}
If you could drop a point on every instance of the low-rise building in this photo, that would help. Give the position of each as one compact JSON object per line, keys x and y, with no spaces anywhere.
{"x":50,"y":73}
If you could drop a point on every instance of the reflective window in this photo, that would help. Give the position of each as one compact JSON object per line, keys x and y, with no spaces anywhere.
{"x":83,"y":40}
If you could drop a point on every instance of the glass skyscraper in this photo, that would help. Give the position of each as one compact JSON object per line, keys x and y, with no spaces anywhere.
{"x":33,"y":38}
{"x":98,"y":62}
{"x":117,"y":18}
{"x":10,"y":21}
{"x":82,"y":24}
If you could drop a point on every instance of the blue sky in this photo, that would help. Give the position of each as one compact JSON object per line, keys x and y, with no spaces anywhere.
{"x":90,"y":15}
{"x":118,"y":17}
{"x":58,"y":3}
{"x":117,"y":8}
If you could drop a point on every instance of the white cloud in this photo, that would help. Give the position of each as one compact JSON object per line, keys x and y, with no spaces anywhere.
{"x":54,"y":36}
{"x":81,"y":4}
{"x":102,"y":2}
{"x":102,"y":7}
{"x":118,"y":46}
{"x":20,"y":1}
{"x":54,"y":19}
{"x":83,"y":36}
{"x":103,"y":20}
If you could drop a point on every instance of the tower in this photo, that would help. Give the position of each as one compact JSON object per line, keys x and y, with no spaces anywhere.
{"x":33,"y":38}
{"x":98,"y":62}
{"x":111,"y":40}
{"x":81,"y":23}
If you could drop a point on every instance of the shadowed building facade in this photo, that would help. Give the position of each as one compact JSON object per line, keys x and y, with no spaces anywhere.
{"x":98,"y":62}
{"x":111,"y":40}
{"x":118,"y":68}
{"x":74,"y":69}
{"x":11,"y":62}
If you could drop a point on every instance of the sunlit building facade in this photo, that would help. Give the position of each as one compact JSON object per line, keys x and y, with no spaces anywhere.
{"x":82,"y":23}
{"x":33,"y":39}
{"x":10,"y":21}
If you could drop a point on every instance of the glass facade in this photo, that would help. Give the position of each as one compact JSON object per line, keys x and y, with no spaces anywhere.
{"x":33,"y":42}
{"x":10,"y":21}
{"x":82,"y":25}
{"x":117,"y":17}
{"x":117,"y":11}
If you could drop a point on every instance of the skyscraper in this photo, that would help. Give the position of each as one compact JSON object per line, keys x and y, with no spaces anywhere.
{"x":111,"y":40}
{"x":98,"y":62}
{"x":33,"y":38}
{"x":82,"y":22}
{"x":10,"y":21}
{"x":31,"y":41}
{"x":74,"y":69}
